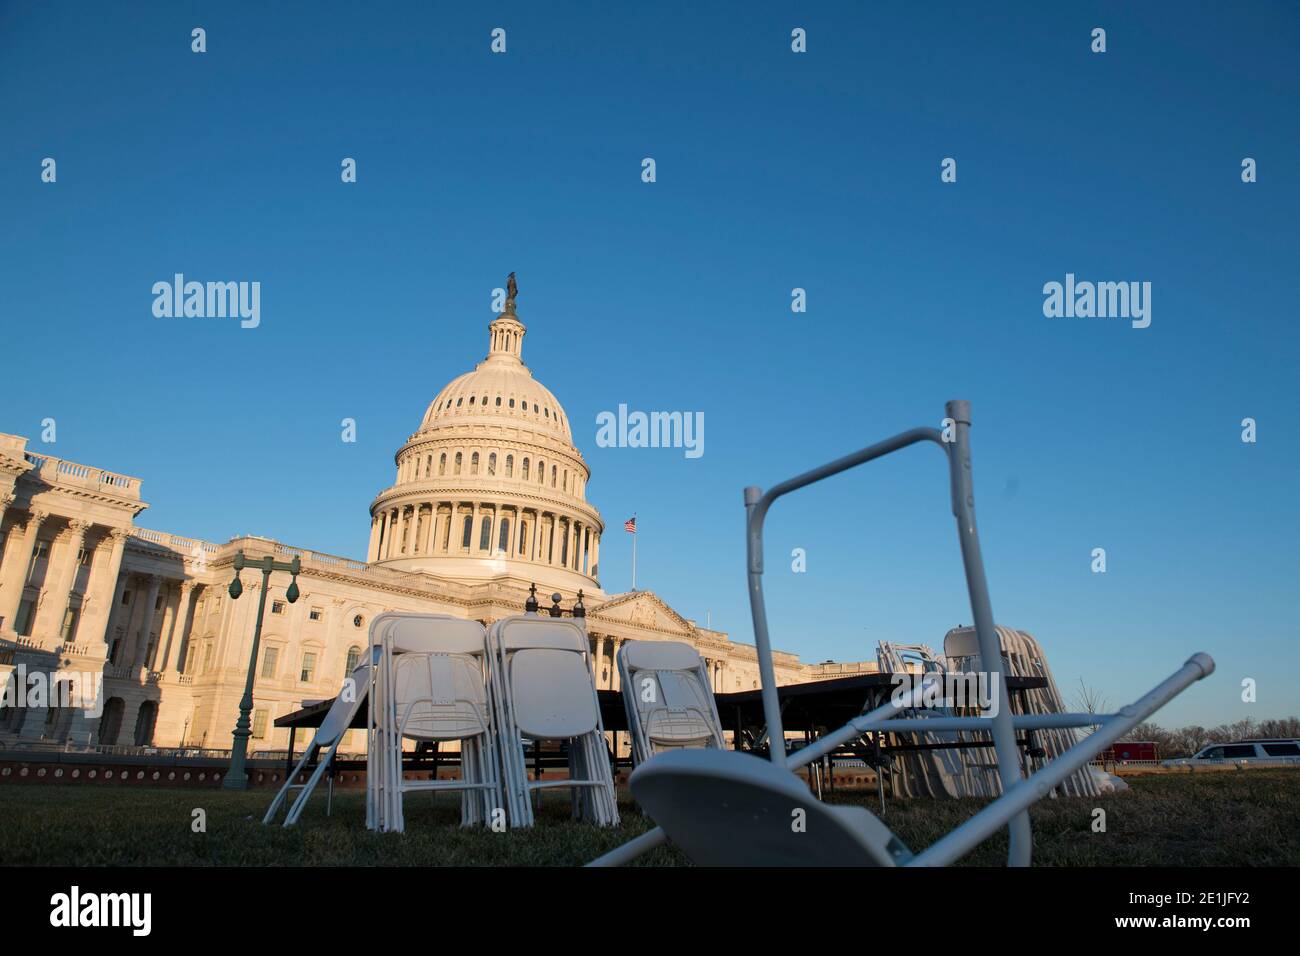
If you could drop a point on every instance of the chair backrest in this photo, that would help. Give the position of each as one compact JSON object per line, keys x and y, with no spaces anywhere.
{"x":660,"y":655}
{"x":553,"y":693}
{"x":349,"y":700}
{"x":962,"y":642}
{"x":439,"y":696}
{"x":666,"y":695}
{"x":525,"y":631}
{"x":429,"y":632}
{"x":547,"y":676}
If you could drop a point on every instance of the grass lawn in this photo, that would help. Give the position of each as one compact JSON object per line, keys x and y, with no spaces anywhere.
{"x":1248,"y":818}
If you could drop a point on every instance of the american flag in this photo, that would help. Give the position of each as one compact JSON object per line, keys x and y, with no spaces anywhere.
{"x":630,"y":524}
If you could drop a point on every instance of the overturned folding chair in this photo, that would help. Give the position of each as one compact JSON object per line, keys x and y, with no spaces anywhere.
{"x":722,"y":807}
{"x":430,"y":684}
{"x":328,"y":737}
{"x":542,"y":690}
{"x":667,"y":697}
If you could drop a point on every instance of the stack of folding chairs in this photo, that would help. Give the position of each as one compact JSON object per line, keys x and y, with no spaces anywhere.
{"x":668,"y":699}
{"x":430,"y":683}
{"x":542,"y":690}
{"x":1022,"y":656}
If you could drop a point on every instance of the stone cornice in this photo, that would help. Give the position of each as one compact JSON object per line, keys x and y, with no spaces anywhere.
{"x":132,"y":505}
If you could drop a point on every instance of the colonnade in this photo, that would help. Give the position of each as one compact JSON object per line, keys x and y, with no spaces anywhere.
{"x":487,"y":528}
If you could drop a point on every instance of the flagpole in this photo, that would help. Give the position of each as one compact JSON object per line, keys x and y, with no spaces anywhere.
{"x":634,"y":555}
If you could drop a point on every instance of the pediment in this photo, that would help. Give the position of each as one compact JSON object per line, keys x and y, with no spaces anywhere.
{"x":642,"y":609}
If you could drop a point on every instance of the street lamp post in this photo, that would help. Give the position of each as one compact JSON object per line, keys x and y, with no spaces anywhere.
{"x":235,"y":776}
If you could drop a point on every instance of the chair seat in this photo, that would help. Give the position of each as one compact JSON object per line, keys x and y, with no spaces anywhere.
{"x":725,"y":808}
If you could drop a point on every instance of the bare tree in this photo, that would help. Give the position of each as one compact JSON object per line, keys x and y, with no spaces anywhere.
{"x":1091,"y":700}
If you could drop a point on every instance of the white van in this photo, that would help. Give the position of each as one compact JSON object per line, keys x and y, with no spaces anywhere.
{"x":1273,"y":753}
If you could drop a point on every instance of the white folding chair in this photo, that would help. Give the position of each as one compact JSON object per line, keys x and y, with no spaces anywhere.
{"x":430,"y":685}
{"x":667,"y":697}
{"x":543,"y":690}
{"x":328,"y":737}
{"x":722,"y":807}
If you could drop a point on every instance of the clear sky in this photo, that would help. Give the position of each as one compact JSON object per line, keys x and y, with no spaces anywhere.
{"x":775,"y":170}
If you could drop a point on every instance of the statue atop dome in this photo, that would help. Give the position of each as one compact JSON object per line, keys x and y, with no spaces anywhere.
{"x":512,"y":290}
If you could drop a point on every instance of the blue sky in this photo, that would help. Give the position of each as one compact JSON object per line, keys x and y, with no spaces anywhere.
{"x":775,"y":171}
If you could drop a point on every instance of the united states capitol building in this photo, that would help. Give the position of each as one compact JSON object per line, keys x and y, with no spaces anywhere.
{"x":489,"y":496}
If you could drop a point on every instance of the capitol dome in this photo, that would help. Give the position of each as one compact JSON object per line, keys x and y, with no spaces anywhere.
{"x":491,"y":484}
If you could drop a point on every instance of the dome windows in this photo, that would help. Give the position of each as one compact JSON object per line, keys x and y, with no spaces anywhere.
{"x":498,"y":401}
{"x":492,"y":465}
{"x":524,"y":473}
{"x":442,"y":464}
{"x":510,"y":466}
{"x":458,"y":459}
{"x":473,"y":464}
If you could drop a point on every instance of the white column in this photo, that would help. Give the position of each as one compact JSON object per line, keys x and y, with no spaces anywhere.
{"x":372,"y":551}
{"x":598,"y":659}
{"x":102,"y":590}
{"x":64,"y":579}
{"x":16,"y":577}
{"x":141,"y":649}
{"x":173,"y":658}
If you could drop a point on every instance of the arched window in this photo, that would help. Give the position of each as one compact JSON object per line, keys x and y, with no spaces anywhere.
{"x":428,"y":467}
{"x":471,"y":399}
{"x":524,"y":473}
{"x":354,"y":656}
{"x":564,"y":543}
{"x":498,"y":401}
{"x":523,"y":537}
{"x":469,"y":530}
{"x":541,"y":471}
{"x":510,"y":466}
{"x":492,"y":464}
{"x":459,"y":400}
{"x":554,"y":472}
{"x":457,"y":466}
{"x":473,"y":464}
{"x":442,"y":464}
{"x":566,"y":479}
{"x":546,"y":412}
{"x":512,"y":403}
{"x":503,"y":539}
{"x":485,"y":533}
{"x":485,"y":401}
